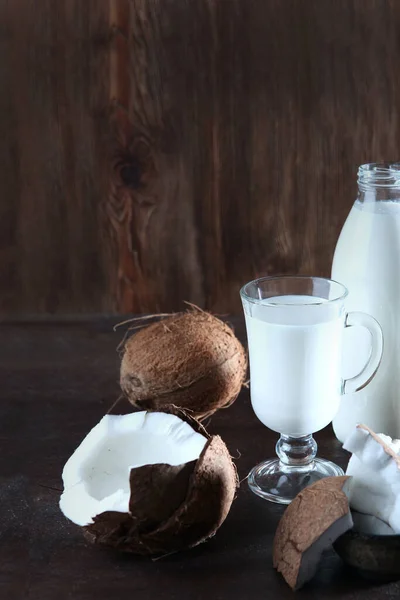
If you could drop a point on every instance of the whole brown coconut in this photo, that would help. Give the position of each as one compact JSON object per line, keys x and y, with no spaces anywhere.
{"x":191,"y":360}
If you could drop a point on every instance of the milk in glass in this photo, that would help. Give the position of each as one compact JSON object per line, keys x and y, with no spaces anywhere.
{"x":295,"y":362}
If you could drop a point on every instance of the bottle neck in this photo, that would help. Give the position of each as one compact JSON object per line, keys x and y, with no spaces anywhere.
{"x":378,"y":194}
{"x":379,"y":182}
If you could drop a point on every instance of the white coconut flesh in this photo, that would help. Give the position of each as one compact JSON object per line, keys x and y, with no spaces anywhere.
{"x":375,"y":470}
{"x":96,"y":477}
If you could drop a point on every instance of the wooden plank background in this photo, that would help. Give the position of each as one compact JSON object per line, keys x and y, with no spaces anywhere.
{"x":156,"y":151}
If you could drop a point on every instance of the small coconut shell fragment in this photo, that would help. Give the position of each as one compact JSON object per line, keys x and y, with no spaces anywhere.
{"x":374,"y":551}
{"x":191,"y":360}
{"x":194,"y":516}
{"x":310,"y":524}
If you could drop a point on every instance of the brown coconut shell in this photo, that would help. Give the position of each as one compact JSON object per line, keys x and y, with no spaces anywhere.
{"x":193,"y":503}
{"x":312,"y":522}
{"x":191,"y":360}
{"x":158,"y":491}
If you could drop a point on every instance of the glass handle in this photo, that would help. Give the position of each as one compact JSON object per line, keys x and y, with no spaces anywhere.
{"x":358,"y":382}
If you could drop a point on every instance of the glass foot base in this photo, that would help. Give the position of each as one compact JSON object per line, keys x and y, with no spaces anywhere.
{"x":277,"y":482}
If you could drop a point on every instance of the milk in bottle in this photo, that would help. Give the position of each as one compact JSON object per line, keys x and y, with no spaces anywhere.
{"x":367,"y":262}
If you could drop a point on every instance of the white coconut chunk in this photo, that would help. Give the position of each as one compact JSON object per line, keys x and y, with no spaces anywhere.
{"x":96,"y":477}
{"x":375,"y":469}
{"x":370,"y":525}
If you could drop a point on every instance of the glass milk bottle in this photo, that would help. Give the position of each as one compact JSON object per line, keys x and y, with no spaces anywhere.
{"x":367,"y":262}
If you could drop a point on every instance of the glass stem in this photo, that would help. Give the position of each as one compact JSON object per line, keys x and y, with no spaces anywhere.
{"x":296,"y":452}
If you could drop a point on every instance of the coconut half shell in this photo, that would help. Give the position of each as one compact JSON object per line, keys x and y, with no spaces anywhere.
{"x":194,"y":517}
{"x":191,"y":360}
{"x":310,"y":524}
{"x":154,"y":507}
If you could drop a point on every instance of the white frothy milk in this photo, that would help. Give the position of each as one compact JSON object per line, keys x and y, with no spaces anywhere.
{"x":295,"y":362}
{"x":367,"y":262}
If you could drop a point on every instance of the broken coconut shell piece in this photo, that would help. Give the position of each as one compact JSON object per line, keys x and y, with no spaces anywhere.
{"x":191,"y":360}
{"x":149,"y":483}
{"x":371,"y":548}
{"x":312,"y":522}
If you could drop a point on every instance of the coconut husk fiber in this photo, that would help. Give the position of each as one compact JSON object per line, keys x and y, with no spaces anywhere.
{"x":191,"y":360}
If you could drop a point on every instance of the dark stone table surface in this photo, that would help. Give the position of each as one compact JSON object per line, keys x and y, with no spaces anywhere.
{"x":57,"y":378}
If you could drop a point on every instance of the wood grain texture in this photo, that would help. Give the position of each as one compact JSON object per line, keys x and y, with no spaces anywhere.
{"x":56,"y":90}
{"x":157,"y":151}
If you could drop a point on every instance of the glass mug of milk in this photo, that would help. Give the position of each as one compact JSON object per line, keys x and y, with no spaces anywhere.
{"x":295,"y":330}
